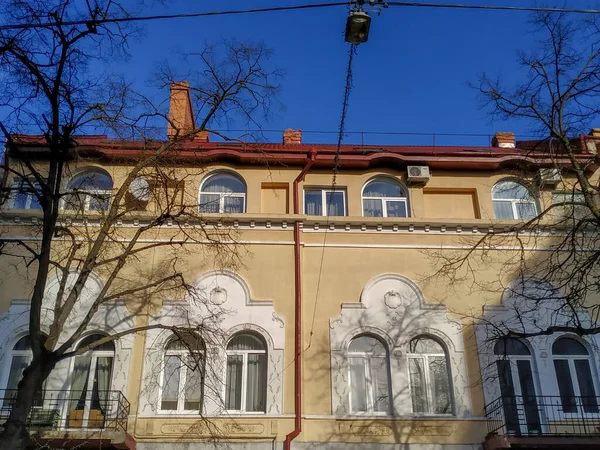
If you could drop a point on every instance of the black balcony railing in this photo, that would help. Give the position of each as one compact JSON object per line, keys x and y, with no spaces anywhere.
{"x":520,"y":415}
{"x":67,"y":409}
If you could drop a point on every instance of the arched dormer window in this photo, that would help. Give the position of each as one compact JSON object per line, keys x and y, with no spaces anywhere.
{"x":89,"y":191}
{"x":513,"y":200}
{"x":368,"y":363}
{"x":384,"y":197}
{"x":429,"y":376}
{"x":223,"y":192}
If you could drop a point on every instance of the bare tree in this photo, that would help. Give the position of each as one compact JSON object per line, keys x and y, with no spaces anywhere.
{"x":47,"y":86}
{"x":553,"y":265}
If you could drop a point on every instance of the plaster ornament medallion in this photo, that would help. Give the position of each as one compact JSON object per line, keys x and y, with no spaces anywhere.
{"x":218,"y":296}
{"x":392,"y":299}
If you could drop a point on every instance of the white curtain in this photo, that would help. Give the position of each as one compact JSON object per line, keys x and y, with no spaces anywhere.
{"x":312,"y":203}
{"x":372,"y":208}
{"x":418,"y":388}
{"x":256,"y":386}
{"x":79,"y":379}
{"x":102,"y":383}
{"x":233,"y":383}
{"x":440,"y":389}
{"x":170,"y":387}
{"x":358,"y":384}
{"x":335,"y":203}
{"x":379,"y":380}
{"x":193,"y":382}
{"x":503,"y":210}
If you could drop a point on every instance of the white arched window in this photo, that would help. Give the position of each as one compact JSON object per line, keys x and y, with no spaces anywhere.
{"x":574,"y":376}
{"x":89,"y":191}
{"x":368,"y":364}
{"x":517,"y":386}
{"x":183,"y":374}
{"x":223,"y":193}
{"x":246,"y":377}
{"x":429,"y":377}
{"x":512,"y":200}
{"x":21,"y":358}
{"x":384,"y":197}
{"x":91,"y":380}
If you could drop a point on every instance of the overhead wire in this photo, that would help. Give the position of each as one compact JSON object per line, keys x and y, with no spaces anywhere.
{"x":336,"y":166}
{"x":95,"y":22}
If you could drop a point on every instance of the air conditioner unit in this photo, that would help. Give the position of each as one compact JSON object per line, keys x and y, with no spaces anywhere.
{"x":549,"y":177}
{"x":419,"y":174}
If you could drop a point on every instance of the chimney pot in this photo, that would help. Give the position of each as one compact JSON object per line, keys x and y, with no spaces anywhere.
{"x":291,"y":136}
{"x":504,"y":139}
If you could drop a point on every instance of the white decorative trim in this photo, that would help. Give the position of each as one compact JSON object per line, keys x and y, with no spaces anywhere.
{"x":408,"y":317}
{"x":235,"y":311}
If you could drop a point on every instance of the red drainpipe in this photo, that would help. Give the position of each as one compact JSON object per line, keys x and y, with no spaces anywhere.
{"x":298,"y":312}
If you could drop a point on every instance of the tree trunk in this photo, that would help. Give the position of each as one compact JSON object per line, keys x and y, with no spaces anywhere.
{"x":15,"y":435}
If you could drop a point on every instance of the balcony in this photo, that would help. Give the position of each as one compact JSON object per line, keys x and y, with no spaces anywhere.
{"x":82,"y":418}
{"x":543,"y":422}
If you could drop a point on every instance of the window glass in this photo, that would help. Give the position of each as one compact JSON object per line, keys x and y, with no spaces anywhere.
{"x":223,"y":193}
{"x":322,"y":202}
{"x":25,"y":195}
{"x":512,"y":200}
{"x":384,"y":197}
{"x":369,"y":375}
{"x":429,"y":377}
{"x":568,"y":346}
{"x":247,"y":373}
{"x":510,"y":346}
{"x":89,"y":191}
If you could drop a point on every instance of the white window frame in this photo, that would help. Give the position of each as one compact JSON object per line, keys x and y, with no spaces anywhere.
{"x":428,"y":386}
{"x":223,"y":195}
{"x":28,"y":354}
{"x":324,"y":193}
{"x":575,"y":381}
{"x":369,"y":387}
{"x":87,"y":195}
{"x":15,"y":187}
{"x":244,"y":354}
{"x":384,"y":200}
{"x":94,"y":355}
{"x":515,"y":201}
{"x":183,"y":368}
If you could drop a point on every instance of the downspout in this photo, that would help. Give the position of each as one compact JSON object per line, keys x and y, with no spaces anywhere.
{"x":298,"y":312}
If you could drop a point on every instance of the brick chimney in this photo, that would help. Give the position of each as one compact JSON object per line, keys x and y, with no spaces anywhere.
{"x":504,"y":139}
{"x":291,"y":136}
{"x":181,"y":113}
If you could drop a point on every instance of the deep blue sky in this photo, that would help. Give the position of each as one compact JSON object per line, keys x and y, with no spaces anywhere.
{"x":411,"y":76}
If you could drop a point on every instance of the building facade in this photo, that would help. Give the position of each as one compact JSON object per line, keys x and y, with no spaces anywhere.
{"x":389,"y":357}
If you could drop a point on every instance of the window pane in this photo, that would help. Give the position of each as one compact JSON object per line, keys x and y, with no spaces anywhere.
{"x":91,"y":181}
{"x":423,"y":344}
{"x":367,"y":344}
{"x":418,"y":389}
{"x":379,"y":378}
{"x":193,"y":382}
{"x":509,"y":401}
{"x":440,"y":386}
{"x":526,"y":210}
{"x":312,"y":203}
{"x":510,"y":346}
{"x":565,"y":385}
{"x":224,"y":183}
{"x":256,"y":387}
{"x":246,"y":342}
{"x":98,"y":202}
{"x":503,"y":210}
{"x":568,"y":346}
{"x":382,"y":188}
{"x":396,"y":209}
{"x":530,"y":406}
{"x":586,"y":385}
{"x":233,"y":205}
{"x":335,"y":203}
{"x":233,"y":383}
{"x":511,"y":190}
{"x":358,"y":385}
{"x":209,"y":203}
{"x":372,"y":208}
{"x":170,"y":389}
